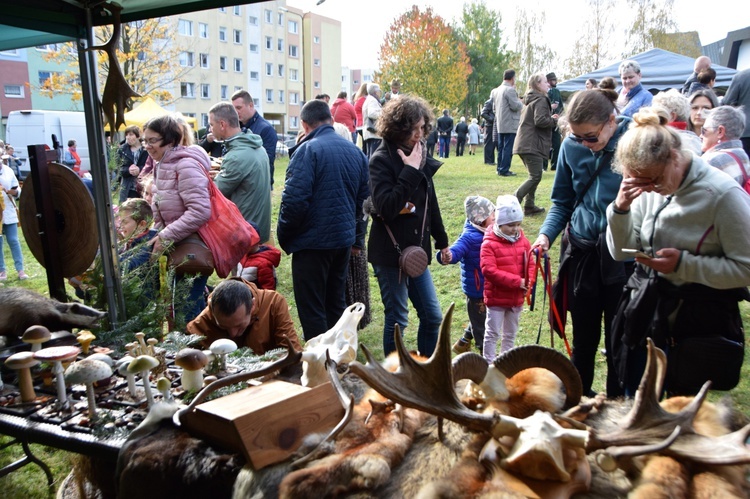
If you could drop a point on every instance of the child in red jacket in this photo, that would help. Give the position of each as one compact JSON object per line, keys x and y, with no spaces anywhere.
{"x":259,"y":266}
{"x":507,"y":269}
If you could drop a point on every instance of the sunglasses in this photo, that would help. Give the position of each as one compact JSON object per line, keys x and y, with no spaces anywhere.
{"x":588,"y":140}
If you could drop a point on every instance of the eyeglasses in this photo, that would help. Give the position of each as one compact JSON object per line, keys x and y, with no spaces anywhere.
{"x":706,"y":129}
{"x":588,"y":140}
{"x":152,"y":141}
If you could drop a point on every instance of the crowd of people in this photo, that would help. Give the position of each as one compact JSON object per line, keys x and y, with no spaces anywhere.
{"x":665,"y":176}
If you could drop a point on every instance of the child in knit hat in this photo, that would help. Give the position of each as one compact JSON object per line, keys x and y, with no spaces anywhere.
{"x":480,"y":214}
{"x":507,"y":266}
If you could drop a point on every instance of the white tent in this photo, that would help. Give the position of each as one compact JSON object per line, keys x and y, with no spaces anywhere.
{"x":660,"y":69}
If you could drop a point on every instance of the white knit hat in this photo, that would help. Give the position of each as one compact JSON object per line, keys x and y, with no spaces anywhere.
{"x":508,"y":210}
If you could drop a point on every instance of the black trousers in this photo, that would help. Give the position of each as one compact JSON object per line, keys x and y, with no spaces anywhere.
{"x":319,"y":280}
{"x":556,"y":140}
{"x":460,"y":144}
{"x":489,"y":150}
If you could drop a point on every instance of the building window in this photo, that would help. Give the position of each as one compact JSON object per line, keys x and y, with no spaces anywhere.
{"x":293,"y":51}
{"x":236,"y":10}
{"x":203,"y":30}
{"x":205,"y":91}
{"x":222,"y":34}
{"x":44,"y":77}
{"x":269,"y":69}
{"x":224,"y":92}
{"x":237,"y":36}
{"x":367,"y":78}
{"x":187,"y":90}
{"x":47,"y":48}
{"x":204,"y":61}
{"x":293,"y":98}
{"x":281,"y":70}
{"x":269,"y":95}
{"x":316,"y":39}
{"x":254,"y":75}
{"x":281,"y":19}
{"x":223,"y":63}
{"x":185,"y":27}
{"x":14,"y":91}
{"x":269,"y":43}
{"x":316,"y":62}
{"x":294,"y":122}
{"x":293,"y":74}
{"x":253,"y":21}
{"x":293,"y":27}
{"x":222,"y":9}
{"x":281,"y":96}
{"x":280,"y":44}
{"x":204,"y":120}
{"x":186,"y":59}
{"x":254,"y":48}
{"x":316,"y":84}
{"x":237,"y":65}
{"x":11,"y":52}
{"x":256,"y":101}
{"x":268,"y":16}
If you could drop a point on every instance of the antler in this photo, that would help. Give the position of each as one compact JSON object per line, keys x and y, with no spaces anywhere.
{"x":649,"y":428}
{"x":427,"y":386}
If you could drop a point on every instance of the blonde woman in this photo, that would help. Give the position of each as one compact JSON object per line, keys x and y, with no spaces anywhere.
{"x":534,"y":139}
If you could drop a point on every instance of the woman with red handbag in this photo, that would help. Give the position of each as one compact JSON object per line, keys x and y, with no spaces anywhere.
{"x":182,"y":202}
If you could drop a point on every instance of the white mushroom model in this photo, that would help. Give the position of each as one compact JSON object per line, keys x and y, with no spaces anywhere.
{"x":143,"y":364}
{"x":192,"y":361}
{"x":23,"y":362}
{"x":103,"y":357}
{"x":221,"y":348}
{"x":340,"y":342}
{"x":122,"y":368}
{"x":88,"y":372}
{"x":36,"y":335}
{"x":164,"y":386}
{"x":56,"y":355}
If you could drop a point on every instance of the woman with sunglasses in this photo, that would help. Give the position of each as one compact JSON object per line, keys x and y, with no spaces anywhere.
{"x":584,"y":186}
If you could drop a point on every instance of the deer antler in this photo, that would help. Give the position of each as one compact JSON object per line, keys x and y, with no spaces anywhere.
{"x":649,"y":428}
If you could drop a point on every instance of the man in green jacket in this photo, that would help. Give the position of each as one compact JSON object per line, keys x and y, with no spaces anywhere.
{"x":557,"y":108}
{"x":245,"y":176}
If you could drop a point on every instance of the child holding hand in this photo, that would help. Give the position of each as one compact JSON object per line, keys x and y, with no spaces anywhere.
{"x":480,"y":214}
{"x":507,"y":268}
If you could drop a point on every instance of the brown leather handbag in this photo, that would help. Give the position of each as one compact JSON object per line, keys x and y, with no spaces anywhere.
{"x":412,"y":260}
{"x":191,"y":256}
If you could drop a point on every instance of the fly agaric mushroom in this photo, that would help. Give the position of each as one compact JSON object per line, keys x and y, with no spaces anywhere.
{"x":87,"y":372}
{"x":122,"y":368}
{"x":23,"y":362}
{"x":221,"y":348}
{"x":56,"y":355}
{"x":192,"y":361}
{"x":143,"y":364}
{"x":36,"y":335}
{"x":85,"y":338}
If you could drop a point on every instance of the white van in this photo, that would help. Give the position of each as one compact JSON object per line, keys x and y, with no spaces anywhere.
{"x":26,"y":128}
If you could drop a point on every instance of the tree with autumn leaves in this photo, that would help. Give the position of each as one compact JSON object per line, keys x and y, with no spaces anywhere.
{"x":423,"y":51}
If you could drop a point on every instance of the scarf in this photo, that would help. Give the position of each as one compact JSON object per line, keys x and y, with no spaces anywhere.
{"x":407,"y":151}
{"x":679,"y":125}
{"x":499,"y":233}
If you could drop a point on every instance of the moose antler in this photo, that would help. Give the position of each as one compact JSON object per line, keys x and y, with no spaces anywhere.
{"x":649,"y":428}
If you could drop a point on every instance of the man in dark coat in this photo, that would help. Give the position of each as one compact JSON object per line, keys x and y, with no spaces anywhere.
{"x":251,"y":120}
{"x":326,"y":185}
{"x":445,"y":129}
{"x":557,"y":108}
{"x":462,"y":129}
{"x":488,"y":115}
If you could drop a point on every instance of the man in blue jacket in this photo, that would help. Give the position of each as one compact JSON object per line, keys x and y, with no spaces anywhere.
{"x":251,"y":120}
{"x":326,"y":185}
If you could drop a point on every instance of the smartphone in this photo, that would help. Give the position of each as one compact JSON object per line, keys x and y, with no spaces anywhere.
{"x":635,"y":252}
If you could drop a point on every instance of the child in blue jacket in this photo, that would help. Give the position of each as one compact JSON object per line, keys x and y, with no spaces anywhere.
{"x":480,"y":214}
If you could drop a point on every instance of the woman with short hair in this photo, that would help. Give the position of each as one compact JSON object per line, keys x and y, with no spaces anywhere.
{"x":534,"y":140}
{"x":692,"y":222}
{"x":722,"y":145}
{"x":678,"y":108}
{"x":633,"y":95}
{"x":406,"y":207}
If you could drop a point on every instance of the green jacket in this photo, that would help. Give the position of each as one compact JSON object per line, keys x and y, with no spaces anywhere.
{"x":245,"y":180}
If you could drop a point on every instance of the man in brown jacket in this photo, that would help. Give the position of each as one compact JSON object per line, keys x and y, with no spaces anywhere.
{"x":255,"y":318}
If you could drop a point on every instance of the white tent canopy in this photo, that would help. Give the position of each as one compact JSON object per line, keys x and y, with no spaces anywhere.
{"x":660,"y":69}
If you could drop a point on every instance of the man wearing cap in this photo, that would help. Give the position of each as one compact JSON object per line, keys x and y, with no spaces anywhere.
{"x":326,"y":185}
{"x":507,"y":108}
{"x":395,"y":91}
{"x":557,"y":108}
{"x":255,"y":318}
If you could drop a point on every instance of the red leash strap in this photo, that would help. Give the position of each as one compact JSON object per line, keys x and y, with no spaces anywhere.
{"x":547,"y":279}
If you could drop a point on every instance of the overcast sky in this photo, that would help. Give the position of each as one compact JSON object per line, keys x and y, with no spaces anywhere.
{"x":363,"y":30}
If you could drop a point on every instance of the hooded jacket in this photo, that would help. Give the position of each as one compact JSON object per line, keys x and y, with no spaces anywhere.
{"x":261,"y":264}
{"x":466,"y":250}
{"x":535,"y":131}
{"x":393,"y":185}
{"x":244,"y":180}
{"x":182,"y":203}
{"x":343,"y":112}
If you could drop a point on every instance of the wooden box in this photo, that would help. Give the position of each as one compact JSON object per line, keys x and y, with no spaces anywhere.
{"x":266,"y":422}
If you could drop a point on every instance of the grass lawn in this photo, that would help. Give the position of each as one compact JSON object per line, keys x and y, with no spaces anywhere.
{"x":458,"y":178}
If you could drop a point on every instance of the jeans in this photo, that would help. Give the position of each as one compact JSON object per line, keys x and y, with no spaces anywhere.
{"x":196,"y":300}
{"x":504,"y":151}
{"x":477,"y":316}
{"x":319,"y":281}
{"x":421,"y":291}
{"x":371,"y":146}
{"x":445,"y":146}
{"x":10,"y":231}
{"x":535,"y":165}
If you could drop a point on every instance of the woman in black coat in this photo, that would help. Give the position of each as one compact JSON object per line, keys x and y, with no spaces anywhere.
{"x":131,"y":158}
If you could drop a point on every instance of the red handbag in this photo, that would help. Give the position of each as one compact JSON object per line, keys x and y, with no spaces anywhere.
{"x":227,"y":233}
